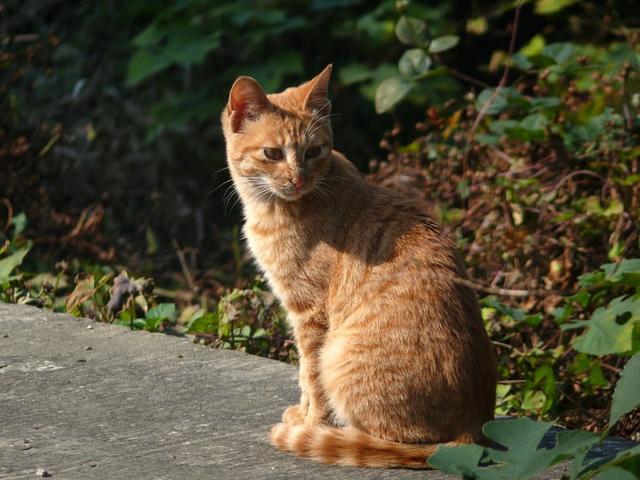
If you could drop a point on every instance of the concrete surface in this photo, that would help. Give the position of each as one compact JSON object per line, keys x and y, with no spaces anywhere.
{"x":85,"y":400}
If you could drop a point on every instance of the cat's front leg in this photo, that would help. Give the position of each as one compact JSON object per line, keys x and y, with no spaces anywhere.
{"x":313,"y":409}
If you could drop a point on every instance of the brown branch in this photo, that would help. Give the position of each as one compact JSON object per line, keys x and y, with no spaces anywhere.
{"x":9,"y":207}
{"x":505,"y":74}
{"x":183,"y":264}
{"x":578,"y":172}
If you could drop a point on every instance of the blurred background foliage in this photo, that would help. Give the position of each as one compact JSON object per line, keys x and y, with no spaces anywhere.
{"x":518,"y":122}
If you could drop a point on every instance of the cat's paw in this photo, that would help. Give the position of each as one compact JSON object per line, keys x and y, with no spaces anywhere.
{"x":294,"y":415}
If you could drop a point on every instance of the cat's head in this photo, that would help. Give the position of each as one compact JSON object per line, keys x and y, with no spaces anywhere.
{"x":278,"y":145}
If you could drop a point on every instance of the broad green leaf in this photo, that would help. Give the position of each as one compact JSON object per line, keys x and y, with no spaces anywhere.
{"x":354,"y":73}
{"x":207,"y":323}
{"x":149,"y":36}
{"x":610,"y":329}
{"x":547,"y":7}
{"x":534,"y":47}
{"x":144,"y":63}
{"x":615,"y":473}
{"x":560,"y":52}
{"x":521,"y":62}
{"x":461,"y":460}
{"x":19,"y":223}
{"x":626,"y":272}
{"x":390,"y":92}
{"x":626,"y":396}
{"x":533,"y":400}
{"x":522,"y":457}
{"x":518,"y":314}
{"x":538,"y":103}
{"x":411,"y":31}
{"x":139,"y":324}
{"x":499,"y":102}
{"x":259,"y":333}
{"x":164,"y":311}
{"x":627,"y":459}
{"x":477,"y":26}
{"x":187,"y":46}
{"x":442,"y":44}
{"x":246,"y":331}
{"x":522,"y":437}
{"x":152,"y":324}
{"x":8,"y":264}
{"x":414,"y":62}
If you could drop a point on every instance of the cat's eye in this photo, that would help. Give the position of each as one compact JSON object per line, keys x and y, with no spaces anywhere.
{"x":274,"y":154}
{"x":312,"y":152}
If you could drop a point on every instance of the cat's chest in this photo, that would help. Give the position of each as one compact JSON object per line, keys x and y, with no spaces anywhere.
{"x":297,"y":266}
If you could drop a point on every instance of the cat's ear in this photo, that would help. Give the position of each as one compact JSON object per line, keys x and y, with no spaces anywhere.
{"x":246,"y":101}
{"x":317,"y":96}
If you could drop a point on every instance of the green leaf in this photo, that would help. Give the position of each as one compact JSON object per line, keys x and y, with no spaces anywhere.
{"x":627,"y":459}
{"x":164,"y":311}
{"x":499,"y":102}
{"x":610,"y":329}
{"x":462,"y":460}
{"x":534,"y":46}
{"x":533,"y":400}
{"x":477,"y":26}
{"x":390,"y":92}
{"x":8,"y":264}
{"x":626,"y":396}
{"x":547,"y":7}
{"x":19,"y":223}
{"x":560,"y":52}
{"x":139,"y":324}
{"x":444,"y":43}
{"x":354,"y":73}
{"x":518,"y":314}
{"x":207,"y":323}
{"x":537,"y":103}
{"x":521,"y":459}
{"x":246,"y":331}
{"x":616,"y":473}
{"x":259,"y":333}
{"x":414,"y":62}
{"x":149,"y":36}
{"x":626,"y":272}
{"x":411,"y":31}
{"x":143,"y":64}
{"x":152,"y":324}
{"x":187,"y":46}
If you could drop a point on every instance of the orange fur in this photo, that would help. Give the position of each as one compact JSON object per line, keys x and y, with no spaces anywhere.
{"x":394,"y":357}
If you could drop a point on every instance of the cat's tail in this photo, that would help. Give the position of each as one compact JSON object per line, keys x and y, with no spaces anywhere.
{"x":349,"y":446}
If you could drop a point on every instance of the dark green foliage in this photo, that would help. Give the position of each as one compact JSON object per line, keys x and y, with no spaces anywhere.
{"x":525,"y":456}
{"x":109,"y":139}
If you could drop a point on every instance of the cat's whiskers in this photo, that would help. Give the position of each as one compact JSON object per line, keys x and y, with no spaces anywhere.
{"x":317,"y":124}
{"x":316,"y":121}
{"x":216,"y":188}
{"x":323,"y":192}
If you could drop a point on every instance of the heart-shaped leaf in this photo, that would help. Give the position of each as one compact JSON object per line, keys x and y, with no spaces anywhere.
{"x":390,"y":92}
{"x":414,"y":63}
{"x":442,"y":44}
{"x":411,"y":31}
{"x":627,"y":394}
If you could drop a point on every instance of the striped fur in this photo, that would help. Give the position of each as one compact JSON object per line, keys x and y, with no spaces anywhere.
{"x":348,"y":446}
{"x":394,"y":358}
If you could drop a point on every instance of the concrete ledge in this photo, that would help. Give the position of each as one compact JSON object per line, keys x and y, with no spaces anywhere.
{"x":87,"y":400}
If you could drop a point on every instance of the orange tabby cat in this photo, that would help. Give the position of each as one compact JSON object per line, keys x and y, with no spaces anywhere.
{"x":394,"y":358}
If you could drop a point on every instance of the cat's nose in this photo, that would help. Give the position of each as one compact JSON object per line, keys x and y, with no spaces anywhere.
{"x":298,"y":181}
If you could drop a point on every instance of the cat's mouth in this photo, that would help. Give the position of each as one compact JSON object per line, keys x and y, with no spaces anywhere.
{"x":292,"y":195}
